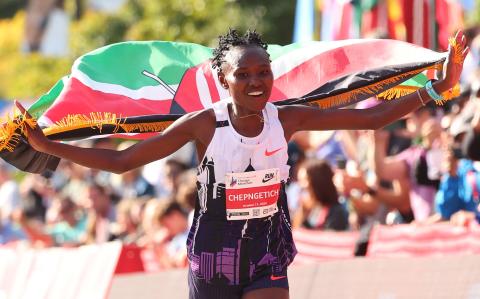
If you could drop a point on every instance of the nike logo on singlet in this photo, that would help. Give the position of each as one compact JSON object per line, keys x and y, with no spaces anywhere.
{"x":268,"y":154}
{"x":273,"y":277}
{"x":266,"y":179}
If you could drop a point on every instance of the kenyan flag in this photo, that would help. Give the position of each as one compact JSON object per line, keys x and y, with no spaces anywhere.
{"x":135,"y":89}
{"x":161,"y":80}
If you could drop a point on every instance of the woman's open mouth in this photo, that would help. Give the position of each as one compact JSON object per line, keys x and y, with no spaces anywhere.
{"x":255,"y":93}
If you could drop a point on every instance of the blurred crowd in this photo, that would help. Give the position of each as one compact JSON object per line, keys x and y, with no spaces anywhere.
{"x":422,"y":169}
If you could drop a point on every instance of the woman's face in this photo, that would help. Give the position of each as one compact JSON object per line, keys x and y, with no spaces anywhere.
{"x":302,"y":178}
{"x":248,"y":76}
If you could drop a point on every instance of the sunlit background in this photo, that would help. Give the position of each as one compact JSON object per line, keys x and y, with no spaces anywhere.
{"x":39,"y":39}
{"x":149,"y":210}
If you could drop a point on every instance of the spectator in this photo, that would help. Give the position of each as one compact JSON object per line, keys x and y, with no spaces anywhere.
{"x":187,"y":192}
{"x":149,"y":224}
{"x":418,"y":164}
{"x":131,"y":184}
{"x":126,"y":226}
{"x":54,"y":41}
{"x":471,"y":142}
{"x":155,"y":172}
{"x":100,"y":213}
{"x":70,"y":227}
{"x":319,"y":205}
{"x":371,"y":202}
{"x":296,"y":156}
{"x":10,"y":232}
{"x":36,"y":22}
{"x":73,"y":181}
{"x":171,"y":237}
{"x":459,"y":188}
{"x":9,"y":193}
{"x":173,"y":169}
{"x":37,"y":193}
{"x":46,"y":28}
{"x":67,"y":227}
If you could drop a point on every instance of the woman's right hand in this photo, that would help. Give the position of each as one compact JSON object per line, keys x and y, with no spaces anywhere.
{"x":35,"y":136}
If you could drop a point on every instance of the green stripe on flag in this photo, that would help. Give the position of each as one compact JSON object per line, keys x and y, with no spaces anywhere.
{"x":45,"y":101}
{"x":166,"y":60}
{"x":277,"y":51}
{"x":418,"y":81}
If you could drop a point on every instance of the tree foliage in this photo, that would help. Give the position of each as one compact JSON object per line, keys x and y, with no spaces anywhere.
{"x":197,"y":21}
{"x":25,"y":76}
{"x":8,"y":8}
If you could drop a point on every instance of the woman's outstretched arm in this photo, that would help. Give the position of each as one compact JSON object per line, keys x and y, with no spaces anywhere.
{"x":300,"y":118}
{"x":145,"y":151}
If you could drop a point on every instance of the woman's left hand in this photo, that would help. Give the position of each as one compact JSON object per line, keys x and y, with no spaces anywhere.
{"x":454,"y":64}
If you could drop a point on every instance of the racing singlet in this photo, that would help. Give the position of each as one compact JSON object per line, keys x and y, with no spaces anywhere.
{"x":241,"y":228}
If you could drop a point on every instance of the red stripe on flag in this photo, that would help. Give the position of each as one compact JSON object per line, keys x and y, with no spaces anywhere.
{"x":335,"y":63}
{"x":83,"y":100}
{"x":187,"y":95}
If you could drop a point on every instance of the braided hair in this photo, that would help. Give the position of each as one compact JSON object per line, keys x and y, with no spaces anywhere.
{"x":232,"y":39}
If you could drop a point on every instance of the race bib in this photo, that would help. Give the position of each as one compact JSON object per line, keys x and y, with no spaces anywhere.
{"x":252,"y":194}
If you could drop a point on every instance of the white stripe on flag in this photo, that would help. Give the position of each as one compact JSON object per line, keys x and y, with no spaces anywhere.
{"x":156,"y":93}
{"x":44,"y":121}
{"x":202,"y":87}
{"x":286,"y":63}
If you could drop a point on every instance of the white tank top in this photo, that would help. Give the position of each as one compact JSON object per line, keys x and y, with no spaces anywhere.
{"x":229,"y":151}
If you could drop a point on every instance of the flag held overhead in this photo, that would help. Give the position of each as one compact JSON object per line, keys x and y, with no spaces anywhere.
{"x":132,"y":88}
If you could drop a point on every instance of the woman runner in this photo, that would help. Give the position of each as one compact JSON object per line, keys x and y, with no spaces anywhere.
{"x":240,"y":242}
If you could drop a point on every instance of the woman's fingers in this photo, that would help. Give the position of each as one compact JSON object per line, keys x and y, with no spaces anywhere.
{"x":22,"y":109}
{"x":19,"y":106}
{"x":465,"y":52}
{"x":458,"y":36}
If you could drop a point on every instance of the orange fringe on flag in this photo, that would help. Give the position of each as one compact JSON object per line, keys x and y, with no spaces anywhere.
{"x":449,"y":94}
{"x":373,"y":89}
{"x":397,"y":92}
{"x":457,"y":50}
{"x":80,"y":121}
{"x":11,"y":130}
{"x":99,"y":119}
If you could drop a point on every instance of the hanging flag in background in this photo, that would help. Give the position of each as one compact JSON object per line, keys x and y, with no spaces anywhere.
{"x":369,"y":22}
{"x":449,"y":16}
{"x":107,"y":94}
{"x":419,"y":25}
{"x":396,"y":20}
{"x":345,"y":26}
{"x":327,"y":9}
{"x":365,"y":14}
{"x":427,"y":23}
{"x":338,"y":20}
{"x":304,"y":27}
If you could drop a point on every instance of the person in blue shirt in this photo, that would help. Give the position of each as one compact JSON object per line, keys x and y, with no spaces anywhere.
{"x":9,"y":232}
{"x":459,"y":188}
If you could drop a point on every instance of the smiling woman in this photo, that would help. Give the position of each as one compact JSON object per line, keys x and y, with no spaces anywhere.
{"x":241,"y":248}
{"x":245,"y":71}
